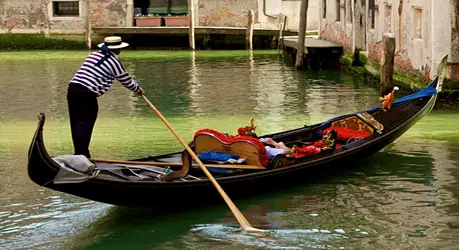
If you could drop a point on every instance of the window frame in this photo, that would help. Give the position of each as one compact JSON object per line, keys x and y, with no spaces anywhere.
{"x":418,"y":10}
{"x":388,"y":18}
{"x":53,"y":17}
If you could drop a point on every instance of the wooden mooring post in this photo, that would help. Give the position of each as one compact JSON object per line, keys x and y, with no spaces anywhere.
{"x":302,"y":34}
{"x":249,"y":32}
{"x":387,"y":61}
{"x":88,"y":25}
{"x":191,"y":24}
{"x":280,"y":39}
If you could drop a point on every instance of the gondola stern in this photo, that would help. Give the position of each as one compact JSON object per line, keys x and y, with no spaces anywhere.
{"x":38,"y":136}
{"x":38,"y":158}
{"x":437,"y":83}
{"x":440,"y":76}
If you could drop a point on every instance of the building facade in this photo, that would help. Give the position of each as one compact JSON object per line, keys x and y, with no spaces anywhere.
{"x":76,"y":17}
{"x":425,"y":30}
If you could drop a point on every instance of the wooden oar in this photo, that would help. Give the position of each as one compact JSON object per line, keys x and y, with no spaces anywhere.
{"x":153,"y":163}
{"x":239,"y":216}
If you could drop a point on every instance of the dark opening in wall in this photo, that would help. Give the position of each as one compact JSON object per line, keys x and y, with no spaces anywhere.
{"x":66,"y":8}
{"x":372,"y":12}
{"x":324,"y":10}
{"x":161,"y":7}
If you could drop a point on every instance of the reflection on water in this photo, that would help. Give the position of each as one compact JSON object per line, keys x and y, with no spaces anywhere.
{"x":406,"y":196}
{"x":272,"y":239}
{"x":45,"y":221}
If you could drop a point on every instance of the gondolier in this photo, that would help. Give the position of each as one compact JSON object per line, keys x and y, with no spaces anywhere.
{"x":92,"y":80}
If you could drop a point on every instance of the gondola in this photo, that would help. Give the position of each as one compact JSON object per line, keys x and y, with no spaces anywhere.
{"x":143,"y":183}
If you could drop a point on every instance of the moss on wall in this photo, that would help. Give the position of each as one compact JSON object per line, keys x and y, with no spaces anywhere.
{"x":407,"y":81}
{"x":39,"y":41}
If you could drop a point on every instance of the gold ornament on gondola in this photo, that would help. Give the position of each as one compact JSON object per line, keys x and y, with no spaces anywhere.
{"x":387,"y":99}
{"x":247,"y":129}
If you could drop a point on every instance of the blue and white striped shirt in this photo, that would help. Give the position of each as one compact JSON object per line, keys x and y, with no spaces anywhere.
{"x":98,"y":72}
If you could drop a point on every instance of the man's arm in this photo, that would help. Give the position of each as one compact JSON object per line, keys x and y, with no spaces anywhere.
{"x":123,"y":76}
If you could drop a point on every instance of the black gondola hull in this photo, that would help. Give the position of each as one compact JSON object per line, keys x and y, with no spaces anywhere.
{"x":42,"y":170}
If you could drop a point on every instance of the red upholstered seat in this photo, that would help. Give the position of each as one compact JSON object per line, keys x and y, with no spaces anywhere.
{"x":249,"y":148}
{"x":345,"y":134}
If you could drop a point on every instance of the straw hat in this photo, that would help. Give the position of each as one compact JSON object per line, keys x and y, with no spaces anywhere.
{"x":113,"y":42}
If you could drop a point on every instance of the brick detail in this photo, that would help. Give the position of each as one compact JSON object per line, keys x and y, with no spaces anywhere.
{"x":338,"y":37}
{"x":374,"y":52}
{"x":455,"y":72}
{"x":110,"y":13}
{"x":226,"y":13}
{"x":403,"y":63}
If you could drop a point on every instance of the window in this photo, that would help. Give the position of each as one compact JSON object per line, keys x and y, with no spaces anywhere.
{"x":372,"y":13}
{"x":388,"y":19}
{"x":338,"y":10}
{"x":324,"y":10}
{"x":417,"y":22}
{"x":66,"y":8}
{"x":161,"y":7}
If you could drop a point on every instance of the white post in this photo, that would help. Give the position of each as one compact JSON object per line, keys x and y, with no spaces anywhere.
{"x":249,"y":31}
{"x":129,"y":13}
{"x":88,"y":24}
{"x":191,"y":24}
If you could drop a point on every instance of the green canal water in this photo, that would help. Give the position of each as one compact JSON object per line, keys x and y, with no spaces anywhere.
{"x":406,"y":196}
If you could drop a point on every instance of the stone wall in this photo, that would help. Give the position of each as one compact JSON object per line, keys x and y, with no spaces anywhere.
{"x":271,"y":15}
{"x":36,"y":16}
{"x":23,"y":16}
{"x":335,"y":34}
{"x":108,"y":13}
{"x":339,"y":32}
{"x":226,"y":13}
{"x":455,"y":41}
{"x":422,"y":31}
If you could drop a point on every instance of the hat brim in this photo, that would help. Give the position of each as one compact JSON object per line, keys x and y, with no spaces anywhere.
{"x":120,"y":46}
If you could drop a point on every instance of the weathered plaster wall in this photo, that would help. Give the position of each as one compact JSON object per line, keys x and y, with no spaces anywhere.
{"x":35,"y":16}
{"x":339,"y":32}
{"x":455,"y":40}
{"x":414,"y":53}
{"x":419,"y":54}
{"x":271,"y":17}
{"x":441,"y":32}
{"x":226,"y":13}
{"x":108,"y":13}
{"x":234,"y":13}
{"x":23,"y":16}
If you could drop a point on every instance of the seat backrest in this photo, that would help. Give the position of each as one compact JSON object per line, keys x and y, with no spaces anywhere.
{"x":352,"y":123}
{"x":246,"y":147}
{"x":344,"y":134}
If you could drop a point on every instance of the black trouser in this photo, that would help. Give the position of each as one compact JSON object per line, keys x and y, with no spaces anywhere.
{"x":83,"y":109}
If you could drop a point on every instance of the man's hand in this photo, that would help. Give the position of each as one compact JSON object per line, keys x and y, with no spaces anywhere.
{"x":141,"y":92}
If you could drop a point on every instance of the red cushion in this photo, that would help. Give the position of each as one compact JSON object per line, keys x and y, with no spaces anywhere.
{"x":318,"y":143}
{"x":345,"y":133}
{"x":306,"y":151}
{"x":321,"y":143}
{"x":254,"y":141}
